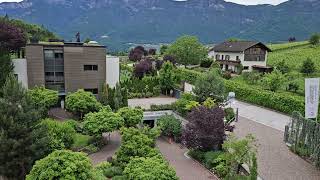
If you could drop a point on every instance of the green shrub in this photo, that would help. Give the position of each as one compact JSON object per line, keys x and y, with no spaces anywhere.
{"x":197,"y":155}
{"x":170,"y":126}
{"x":90,"y":149}
{"x":61,"y":135}
{"x":81,"y":140}
{"x":120,"y":178}
{"x":278,"y":101}
{"x":162,"y":107}
{"x":206,"y":63}
{"x":210,"y":158}
{"x":229,"y":114}
{"x":181,"y":104}
{"x":112,"y":171}
{"x":132,"y":116}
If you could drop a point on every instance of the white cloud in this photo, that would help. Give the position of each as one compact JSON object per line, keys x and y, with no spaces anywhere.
{"x":254,"y":2}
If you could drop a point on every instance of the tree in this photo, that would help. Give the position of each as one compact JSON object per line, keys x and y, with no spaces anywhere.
{"x":315,"y":39}
{"x":205,"y":130}
{"x":274,"y":81}
{"x":167,"y":77}
{"x":152,"y":51}
{"x":137,"y":53}
{"x":43,"y":98}
{"x":61,"y":134}
{"x":143,"y":68}
{"x":103,"y":121}
{"x":170,"y":126}
{"x":163,"y":49}
{"x":116,"y":97}
{"x":18,"y":117}
{"x":187,"y":50}
{"x":283,"y":67}
{"x":209,"y":85}
{"x":82,"y":102}
{"x":87,"y":40}
{"x":170,"y":59}
{"x":132,"y":116}
{"x":12,"y":38}
{"x":136,"y":143}
{"x":63,"y":164}
{"x":252,"y":77}
{"x":6,"y":67}
{"x":308,"y":67}
{"x":149,"y":168}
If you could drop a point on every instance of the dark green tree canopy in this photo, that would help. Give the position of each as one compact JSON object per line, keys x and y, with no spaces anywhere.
{"x":187,"y":50}
{"x":132,"y":116}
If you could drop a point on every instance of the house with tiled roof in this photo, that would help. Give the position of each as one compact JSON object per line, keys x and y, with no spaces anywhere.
{"x":246,"y":55}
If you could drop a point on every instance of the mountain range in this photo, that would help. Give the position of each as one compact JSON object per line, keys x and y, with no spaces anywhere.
{"x":120,"y":23}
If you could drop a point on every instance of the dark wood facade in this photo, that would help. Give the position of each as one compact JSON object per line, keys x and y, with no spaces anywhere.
{"x":255,"y":53}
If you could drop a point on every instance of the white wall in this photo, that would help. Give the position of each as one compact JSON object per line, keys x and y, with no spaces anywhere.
{"x":233,"y":56}
{"x":112,"y":70}
{"x":20,"y":68}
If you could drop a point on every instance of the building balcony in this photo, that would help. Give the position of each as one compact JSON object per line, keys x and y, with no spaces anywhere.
{"x":229,"y":62}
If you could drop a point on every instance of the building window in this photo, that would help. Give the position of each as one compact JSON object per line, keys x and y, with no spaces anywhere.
{"x":227,"y":57}
{"x":16,"y":76}
{"x":222,"y":57}
{"x":93,"y":91}
{"x":90,"y":67}
{"x":221,"y":66}
{"x":258,"y":58}
{"x":237,"y":58}
{"x":218,"y":57}
{"x":245,"y":67}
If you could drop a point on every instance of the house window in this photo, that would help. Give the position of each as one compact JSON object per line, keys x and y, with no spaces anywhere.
{"x":218,"y":57}
{"x":227,"y":57}
{"x":16,"y":76}
{"x":221,"y":66}
{"x":245,"y":67}
{"x":237,"y":58}
{"x":222,"y":57}
{"x":93,"y":91}
{"x":90,"y":67}
{"x":258,"y":58}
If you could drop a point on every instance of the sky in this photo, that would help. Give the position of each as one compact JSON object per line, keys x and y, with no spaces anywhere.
{"x":246,"y":2}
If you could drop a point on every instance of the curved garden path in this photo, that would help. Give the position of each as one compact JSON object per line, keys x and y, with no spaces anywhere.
{"x":108,"y":150}
{"x":186,"y":168}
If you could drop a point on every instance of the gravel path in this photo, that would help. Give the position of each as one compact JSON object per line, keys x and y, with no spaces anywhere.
{"x":108,"y":150}
{"x":186,"y":168}
{"x":275,"y":160}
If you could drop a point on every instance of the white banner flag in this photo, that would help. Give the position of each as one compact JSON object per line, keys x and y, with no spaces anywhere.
{"x":311,"y":97}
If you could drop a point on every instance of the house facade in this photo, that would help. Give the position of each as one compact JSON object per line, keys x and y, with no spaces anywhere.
{"x":66,"y":67}
{"x":245,"y":55}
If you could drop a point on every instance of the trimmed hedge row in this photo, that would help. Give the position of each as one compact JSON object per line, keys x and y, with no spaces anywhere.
{"x":278,"y":101}
{"x":281,"y":102}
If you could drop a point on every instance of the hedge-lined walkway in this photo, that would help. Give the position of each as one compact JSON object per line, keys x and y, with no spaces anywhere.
{"x":186,"y":168}
{"x":275,"y":160}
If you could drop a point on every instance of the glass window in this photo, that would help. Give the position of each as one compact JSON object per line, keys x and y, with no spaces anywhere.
{"x":90,"y":67}
{"x":245,"y":67}
{"x":48,"y":54}
{"x":93,"y":91}
{"x":95,"y":67}
{"x":218,"y":57}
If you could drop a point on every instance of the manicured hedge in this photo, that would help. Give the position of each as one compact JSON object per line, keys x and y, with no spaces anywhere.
{"x":282,"y":102}
{"x":278,"y":101}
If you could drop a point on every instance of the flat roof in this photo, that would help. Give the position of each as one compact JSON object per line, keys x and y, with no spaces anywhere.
{"x":72,"y":44}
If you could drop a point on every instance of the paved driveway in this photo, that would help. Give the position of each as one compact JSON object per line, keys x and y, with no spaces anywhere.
{"x":275,"y":160}
{"x":186,"y":168}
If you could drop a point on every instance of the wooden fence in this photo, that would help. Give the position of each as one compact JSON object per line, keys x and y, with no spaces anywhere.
{"x":303,"y":137}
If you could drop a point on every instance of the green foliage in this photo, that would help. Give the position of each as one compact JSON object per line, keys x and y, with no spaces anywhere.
{"x":103,"y":121}
{"x":209,"y":85}
{"x":229,"y":114}
{"x":170,"y":126}
{"x":308,"y":66}
{"x":132,"y":116}
{"x":6,"y":67}
{"x":18,"y":117}
{"x":187,"y":50}
{"x":63,"y":164}
{"x":108,"y":170}
{"x":82,"y":102}
{"x":136,"y":143}
{"x":278,"y":101}
{"x":274,"y":81}
{"x":187,"y":75}
{"x":209,"y":103}
{"x":252,"y":77}
{"x":315,"y":39}
{"x":150,"y":168}
{"x":283,"y":67}
{"x":206,"y":63}
{"x":163,"y":49}
{"x":167,"y":77}
{"x":116,"y":97}
{"x":81,"y":141}
{"x":210,"y":158}
{"x":43,"y":98}
{"x":197,"y":155}
{"x":238,"y":152}
{"x":148,"y":86}
{"x":181,"y":104}
{"x":61,"y":135}
{"x":192,"y":104}
{"x":162,"y":107}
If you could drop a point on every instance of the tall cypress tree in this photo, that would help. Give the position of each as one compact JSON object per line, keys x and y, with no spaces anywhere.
{"x":18,"y":117}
